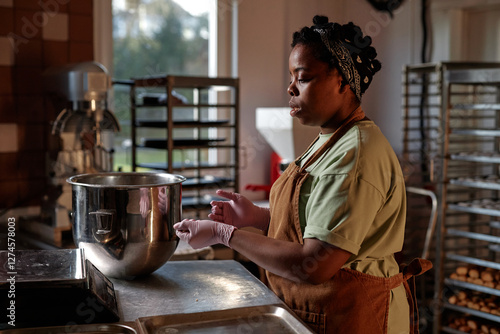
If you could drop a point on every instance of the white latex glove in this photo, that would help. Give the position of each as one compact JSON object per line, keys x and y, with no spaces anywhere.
{"x":239,"y":211}
{"x":144,"y":205}
{"x":163,"y":204}
{"x":203,"y":233}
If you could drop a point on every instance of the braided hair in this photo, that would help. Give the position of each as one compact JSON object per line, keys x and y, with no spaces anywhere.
{"x":348,"y":37}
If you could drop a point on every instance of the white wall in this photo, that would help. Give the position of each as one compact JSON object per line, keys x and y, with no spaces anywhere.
{"x":260,"y":69}
{"x":466,"y":31}
{"x":397,"y":42}
{"x":483,"y":34}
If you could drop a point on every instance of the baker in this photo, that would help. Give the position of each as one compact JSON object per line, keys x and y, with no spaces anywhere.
{"x":337,"y":214}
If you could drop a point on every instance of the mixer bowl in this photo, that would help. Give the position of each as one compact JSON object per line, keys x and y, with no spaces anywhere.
{"x":124,"y":221}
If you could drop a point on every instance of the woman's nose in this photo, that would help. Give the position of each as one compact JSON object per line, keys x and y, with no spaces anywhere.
{"x":291,"y":90}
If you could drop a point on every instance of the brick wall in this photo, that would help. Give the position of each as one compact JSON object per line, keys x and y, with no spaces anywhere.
{"x":34,"y":35}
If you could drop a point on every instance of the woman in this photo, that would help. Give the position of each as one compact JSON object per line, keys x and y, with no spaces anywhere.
{"x":337,"y":215}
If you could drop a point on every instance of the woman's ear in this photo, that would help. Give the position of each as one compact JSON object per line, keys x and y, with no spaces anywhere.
{"x":345,"y":87}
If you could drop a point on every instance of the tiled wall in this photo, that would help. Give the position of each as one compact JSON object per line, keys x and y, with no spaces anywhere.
{"x":34,"y":35}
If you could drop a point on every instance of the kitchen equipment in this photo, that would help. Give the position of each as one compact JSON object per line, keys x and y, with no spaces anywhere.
{"x":83,"y":132}
{"x":81,"y":329}
{"x":286,"y":135}
{"x":124,"y":221}
{"x":256,"y":319}
{"x":52,"y":288}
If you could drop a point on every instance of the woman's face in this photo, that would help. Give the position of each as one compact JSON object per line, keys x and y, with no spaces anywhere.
{"x":317,"y":94}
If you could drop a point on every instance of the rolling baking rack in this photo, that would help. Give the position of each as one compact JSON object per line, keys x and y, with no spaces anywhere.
{"x":422,"y":95}
{"x":451,"y":147}
{"x":188,"y":125}
{"x":467,"y":285}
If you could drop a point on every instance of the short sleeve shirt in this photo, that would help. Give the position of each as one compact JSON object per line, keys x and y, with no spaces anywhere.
{"x":354,"y":197}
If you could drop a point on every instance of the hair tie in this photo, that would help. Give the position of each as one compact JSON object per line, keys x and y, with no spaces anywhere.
{"x":345,"y":61}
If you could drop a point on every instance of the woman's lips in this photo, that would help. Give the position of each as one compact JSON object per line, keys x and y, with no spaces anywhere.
{"x":294,"y":111}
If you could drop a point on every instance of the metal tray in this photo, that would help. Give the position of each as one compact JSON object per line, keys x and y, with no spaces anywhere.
{"x":206,"y":181}
{"x":187,"y":123}
{"x":267,"y":319}
{"x":162,"y":143}
{"x":87,"y":329}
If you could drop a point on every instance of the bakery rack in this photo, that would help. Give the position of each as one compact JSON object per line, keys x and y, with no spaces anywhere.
{"x":467,"y":284}
{"x":188,"y":125}
{"x":449,"y":117}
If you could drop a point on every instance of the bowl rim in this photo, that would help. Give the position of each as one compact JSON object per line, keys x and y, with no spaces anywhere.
{"x":79,"y":180}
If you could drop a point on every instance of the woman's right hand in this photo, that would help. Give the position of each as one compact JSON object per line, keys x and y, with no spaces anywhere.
{"x":239,"y":211}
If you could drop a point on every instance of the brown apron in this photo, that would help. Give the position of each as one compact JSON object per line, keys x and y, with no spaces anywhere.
{"x":350,"y":302}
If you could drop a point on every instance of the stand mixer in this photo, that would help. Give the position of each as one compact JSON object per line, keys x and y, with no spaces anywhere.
{"x":83,"y":132}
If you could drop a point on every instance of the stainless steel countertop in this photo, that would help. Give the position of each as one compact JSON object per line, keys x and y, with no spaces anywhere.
{"x":189,"y":287}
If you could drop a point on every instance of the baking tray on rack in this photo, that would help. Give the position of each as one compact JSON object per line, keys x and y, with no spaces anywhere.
{"x":181,"y":165}
{"x":185,"y":123}
{"x":206,"y":181}
{"x":487,"y":157}
{"x":267,"y":319}
{"x":490,"y":209}
{"x":162,"y":143}
{"x":193,"y":202}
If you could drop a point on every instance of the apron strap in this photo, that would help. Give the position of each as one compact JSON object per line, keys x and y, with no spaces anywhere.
{"x":356,"y":116}
{"x":412,"y":301}
{"x":416,"y":268}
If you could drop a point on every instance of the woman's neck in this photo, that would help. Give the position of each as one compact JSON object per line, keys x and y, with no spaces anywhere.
{"x":339,"y":119}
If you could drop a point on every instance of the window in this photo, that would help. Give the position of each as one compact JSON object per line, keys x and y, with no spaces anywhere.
{"x":161,"y":36}
{"x":158,"y":37}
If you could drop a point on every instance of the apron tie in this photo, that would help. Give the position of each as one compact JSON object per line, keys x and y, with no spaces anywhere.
{"x":416,"y":268}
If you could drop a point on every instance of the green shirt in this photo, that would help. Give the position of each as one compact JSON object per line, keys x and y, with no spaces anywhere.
{"x":355,"y":199}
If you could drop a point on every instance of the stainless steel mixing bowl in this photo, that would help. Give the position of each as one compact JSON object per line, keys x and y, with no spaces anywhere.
{"x":124,"y":221}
